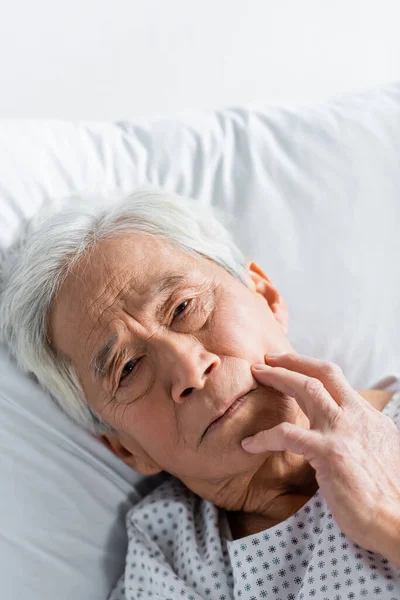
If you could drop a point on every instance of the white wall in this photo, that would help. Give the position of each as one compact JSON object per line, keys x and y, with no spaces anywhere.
{"x":113,"y":59}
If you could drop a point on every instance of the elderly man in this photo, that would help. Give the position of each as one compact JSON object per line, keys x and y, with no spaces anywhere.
{"x":144,"y":321}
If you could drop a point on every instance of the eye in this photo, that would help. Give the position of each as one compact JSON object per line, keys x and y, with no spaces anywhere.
{"x":128,"y":368}
{"x":180,"y":308}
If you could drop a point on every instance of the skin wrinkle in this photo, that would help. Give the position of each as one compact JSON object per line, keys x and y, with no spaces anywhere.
{"x":108,"y":285}
{"x":109,"y":306}
{"x":140,"y":395}
{"x":161,"y":289}
{"x":101,"y":360}
{"x":107,"y":383}
{"x":127,"y":404}
{"x":105,"y":306}
{"x":165,"y":306}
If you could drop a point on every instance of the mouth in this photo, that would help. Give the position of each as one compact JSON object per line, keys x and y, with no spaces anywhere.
{"x":233,"y":406}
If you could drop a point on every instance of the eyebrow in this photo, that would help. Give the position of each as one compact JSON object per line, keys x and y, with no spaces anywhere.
{"x":101,"y":363}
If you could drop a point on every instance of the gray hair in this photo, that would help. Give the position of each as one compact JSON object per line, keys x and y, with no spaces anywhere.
{"x":34,"y":268}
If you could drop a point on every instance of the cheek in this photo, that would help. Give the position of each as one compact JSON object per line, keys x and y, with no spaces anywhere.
{"x":242,"y":329}
{"x":151,"y":422}
{"x":264,"y":330}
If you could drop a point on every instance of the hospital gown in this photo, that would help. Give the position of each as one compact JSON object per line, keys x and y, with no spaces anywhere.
{"x":180,"y":547}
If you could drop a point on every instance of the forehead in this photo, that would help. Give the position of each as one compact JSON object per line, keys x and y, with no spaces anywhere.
{"x":140,"y":259}
{"x":130,"y":263}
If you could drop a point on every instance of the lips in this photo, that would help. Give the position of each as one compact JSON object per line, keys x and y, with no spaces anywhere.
{"x":228,"y":408}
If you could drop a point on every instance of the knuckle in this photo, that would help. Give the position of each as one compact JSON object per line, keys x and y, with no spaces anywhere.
{"x":295,"y":434}
{"x":286,"y":429}
{"x":333,"y":451}
{"x":331,"y":369}
{"x":334,"y":419}
{"x":313,"y":386}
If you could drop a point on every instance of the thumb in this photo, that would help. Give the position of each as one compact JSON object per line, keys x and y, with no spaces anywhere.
{"x":284,"y":436}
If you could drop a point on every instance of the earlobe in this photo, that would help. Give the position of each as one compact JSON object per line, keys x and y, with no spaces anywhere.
{"x":139,"y":462}
{"x":143,"y":467}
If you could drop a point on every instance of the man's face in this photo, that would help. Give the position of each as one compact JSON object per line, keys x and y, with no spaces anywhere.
{"x":162,"y":341}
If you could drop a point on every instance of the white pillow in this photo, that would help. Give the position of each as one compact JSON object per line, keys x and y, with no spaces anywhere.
{"x":63,"y":499}
{"x":315,"y":197}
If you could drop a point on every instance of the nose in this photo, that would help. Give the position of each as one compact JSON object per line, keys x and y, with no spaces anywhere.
{"x":188,"y":365}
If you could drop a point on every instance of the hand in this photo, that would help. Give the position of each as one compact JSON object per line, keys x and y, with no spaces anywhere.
{"x":354,"y":449}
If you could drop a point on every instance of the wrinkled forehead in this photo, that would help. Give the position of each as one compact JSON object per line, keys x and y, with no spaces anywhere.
{"x":136,"y":264}
{"x":141,"y":259}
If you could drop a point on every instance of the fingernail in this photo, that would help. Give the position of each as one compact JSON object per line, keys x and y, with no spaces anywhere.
{"x":247,"y":441}
{"x":261,"y":367}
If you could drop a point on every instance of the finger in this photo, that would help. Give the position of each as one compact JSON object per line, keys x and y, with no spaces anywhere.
{"x":329,"y":373}
{"x":314,"y":400}
{"x":285,"y":436}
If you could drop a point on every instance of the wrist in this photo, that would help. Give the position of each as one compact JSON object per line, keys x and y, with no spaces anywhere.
{"x":388,"y":538}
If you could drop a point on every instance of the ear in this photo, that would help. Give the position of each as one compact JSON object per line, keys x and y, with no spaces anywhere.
{"x":261,"y":284}
{"x":139,"y":461}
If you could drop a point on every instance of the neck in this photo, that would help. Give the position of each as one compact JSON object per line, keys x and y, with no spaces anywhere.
{"x":279,"y":505}
{"x":281,"y":508}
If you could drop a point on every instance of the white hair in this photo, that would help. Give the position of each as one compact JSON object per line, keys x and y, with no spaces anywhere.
{"x":35,"y":267}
